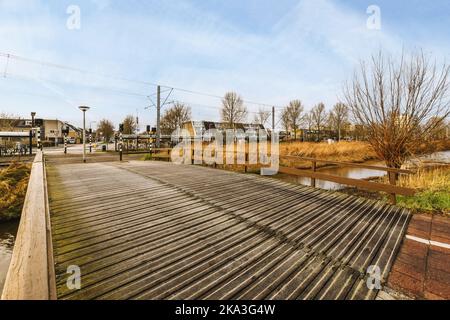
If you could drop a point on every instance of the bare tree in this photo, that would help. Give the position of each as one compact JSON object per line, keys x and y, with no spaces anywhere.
{"x":308,"y":121}
{"x":7,"y":121}
{"x":294,"y":111}
{"x":319,"y":118}
{"x":233,"y":109}
{"x":129,"y":125}
{"x":440,"y":128}
{"x":339,"y":117}
{"x":285,"y":120}
{"x":262,"y":116}
{"x":174,"y":117}
{"x":395,"y":101}
{"x":106,"y":128}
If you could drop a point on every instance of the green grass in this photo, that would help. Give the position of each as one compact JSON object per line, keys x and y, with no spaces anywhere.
{"x":433,"y":194}
{"x":427,"y":201}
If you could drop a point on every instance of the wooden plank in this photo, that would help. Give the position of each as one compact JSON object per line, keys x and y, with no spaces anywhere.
{"x":210,"y":234}
{"x":29,"y":276}
{"x":361,"y":184}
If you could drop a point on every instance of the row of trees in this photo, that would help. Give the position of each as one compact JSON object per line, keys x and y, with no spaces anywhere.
{"x":398,"y":104}
{"x":294,"y":117}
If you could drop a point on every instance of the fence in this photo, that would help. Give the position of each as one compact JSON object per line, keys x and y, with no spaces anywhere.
{"x":392,"y":189}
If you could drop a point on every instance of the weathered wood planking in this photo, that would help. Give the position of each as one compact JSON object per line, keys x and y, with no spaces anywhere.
{"x":31,"y":274}
{"x":154,"y":230}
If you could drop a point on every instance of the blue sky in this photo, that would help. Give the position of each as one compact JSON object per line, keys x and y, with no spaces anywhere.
{"x":269,"y":51}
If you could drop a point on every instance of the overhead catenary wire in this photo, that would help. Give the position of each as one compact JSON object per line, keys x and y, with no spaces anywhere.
{"x":168,"y":87}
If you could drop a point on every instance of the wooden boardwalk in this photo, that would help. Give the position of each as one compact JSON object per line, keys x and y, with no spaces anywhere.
{"x":153,"y":230}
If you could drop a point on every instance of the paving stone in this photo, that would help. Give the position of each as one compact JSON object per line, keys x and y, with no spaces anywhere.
{"x":414,"y":248}
{"x":414,"y":271}
{"x":431,"y":296}
{"x":438,"y":288}
{"x":438,"y":260}
{"x":403,"y":282}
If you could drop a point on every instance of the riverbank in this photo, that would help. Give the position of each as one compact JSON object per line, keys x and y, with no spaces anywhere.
{"x":8,"y":232}
{"x":13,"y":188}
{"x":433,"y":191}
{"x":433,"y":185}
{"x":353,"y":152}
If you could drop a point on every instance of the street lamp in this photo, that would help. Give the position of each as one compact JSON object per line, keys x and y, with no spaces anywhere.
{"x":84,"y":109}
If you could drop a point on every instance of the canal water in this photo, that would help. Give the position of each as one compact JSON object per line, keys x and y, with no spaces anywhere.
{"x":360,"y":173}
{"x":8,"y":231}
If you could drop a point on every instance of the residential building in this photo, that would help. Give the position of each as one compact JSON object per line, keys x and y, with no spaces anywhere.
{"x":200,"y":128}
{"x":51,"y":130}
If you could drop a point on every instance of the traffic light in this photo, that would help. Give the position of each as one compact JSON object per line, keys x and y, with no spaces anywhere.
{"x":121,"y":127}
{"x":149,"y":129}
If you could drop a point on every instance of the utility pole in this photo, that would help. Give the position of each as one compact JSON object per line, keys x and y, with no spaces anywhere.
{"x":158,"y":117}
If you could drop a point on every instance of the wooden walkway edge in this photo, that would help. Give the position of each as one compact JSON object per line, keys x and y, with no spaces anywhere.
{"x":31,"y":272}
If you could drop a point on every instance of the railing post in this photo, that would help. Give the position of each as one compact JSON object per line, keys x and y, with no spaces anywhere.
{"x":246,"y":162}
{"x":393,"y":181}
{"x":314,"y":169}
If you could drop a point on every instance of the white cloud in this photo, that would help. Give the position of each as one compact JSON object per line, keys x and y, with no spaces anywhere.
{"x":306,"y":55}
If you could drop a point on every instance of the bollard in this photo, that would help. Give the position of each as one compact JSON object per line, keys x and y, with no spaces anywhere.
{"x":39,"y":146}
{"x":121,"y":146}
{"x":65,"y":143}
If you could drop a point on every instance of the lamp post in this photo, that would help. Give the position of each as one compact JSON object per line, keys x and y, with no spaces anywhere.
{"x":84,"y":109}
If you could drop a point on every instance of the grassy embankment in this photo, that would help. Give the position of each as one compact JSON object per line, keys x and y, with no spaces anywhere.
{"x":433,"y":187}
{"x":13,"y":188}
{"x":355,"y":152}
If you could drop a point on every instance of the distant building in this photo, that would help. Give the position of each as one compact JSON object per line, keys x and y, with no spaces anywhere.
{"x":200,"y":128}
{"x":51,"y":130}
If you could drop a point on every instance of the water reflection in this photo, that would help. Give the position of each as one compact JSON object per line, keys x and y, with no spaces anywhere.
{"x":359,"y":173}
{"x":8,"y":233}
{"x":354,"y":173}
